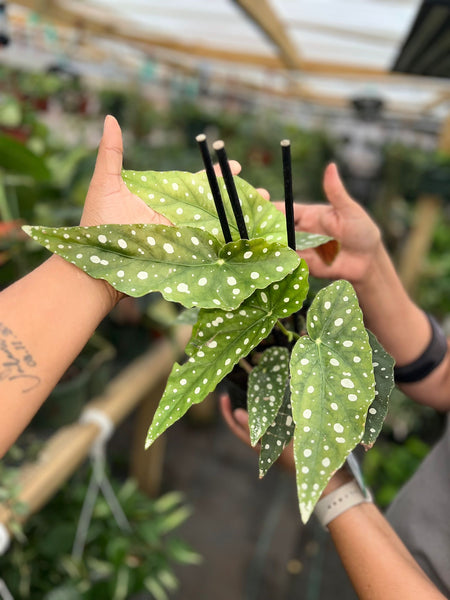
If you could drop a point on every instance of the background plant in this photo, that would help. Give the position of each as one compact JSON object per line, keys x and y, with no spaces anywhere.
{"x":115,"y":564}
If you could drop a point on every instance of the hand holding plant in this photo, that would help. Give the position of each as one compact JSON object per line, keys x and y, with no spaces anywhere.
{"x":108,"y":199}
{"x":345,"y":221}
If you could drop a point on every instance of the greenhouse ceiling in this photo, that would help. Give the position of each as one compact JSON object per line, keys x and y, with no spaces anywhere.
{"x":324,"y":52}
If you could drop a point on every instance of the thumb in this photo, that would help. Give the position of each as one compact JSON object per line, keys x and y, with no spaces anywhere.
{"x":110,"y":151}
{"x":334,"y":189}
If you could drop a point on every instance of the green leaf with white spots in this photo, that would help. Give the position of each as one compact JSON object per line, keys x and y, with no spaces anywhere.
{"x":383,"y":368}
{"x":219,"y":340}
{"x":187,"y":265}
{"x":305,"y":240}
{"x":332,"y":387}
{"x":265,"y":391}
{"x":186,"y":199}
{"x":278,"y":436}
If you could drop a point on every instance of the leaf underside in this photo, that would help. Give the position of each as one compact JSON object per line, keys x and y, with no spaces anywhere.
{"x":265,"y":391}
{"x":219,"y":340}
{"x":187,"y":265}
{"x":332,"y":386}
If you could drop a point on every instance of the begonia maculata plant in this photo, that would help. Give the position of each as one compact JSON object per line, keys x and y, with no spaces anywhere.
{"x":327,"y":389}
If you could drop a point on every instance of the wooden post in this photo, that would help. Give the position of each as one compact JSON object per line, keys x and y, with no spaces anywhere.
{"x":419,"y":240}
{"x":147,"y":465}
{"x":426,"y":213}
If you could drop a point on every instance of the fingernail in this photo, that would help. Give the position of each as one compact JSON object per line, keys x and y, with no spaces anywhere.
{"x":105,"y":121}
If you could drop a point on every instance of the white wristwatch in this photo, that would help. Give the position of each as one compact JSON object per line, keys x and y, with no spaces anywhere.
{"x":337,"y":502}
{"x":344,"y":497}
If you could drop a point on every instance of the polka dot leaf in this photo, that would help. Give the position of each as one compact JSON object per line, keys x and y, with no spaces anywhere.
{"x":219,"y":340}
{"x":186,"y":199}
{"x":278,"y":436}
{"x":266,"y":384}
{"x":332,"y":387}
{"x":383,"y":368}
{"x":305,"y":240}
{"x":187,"y":265}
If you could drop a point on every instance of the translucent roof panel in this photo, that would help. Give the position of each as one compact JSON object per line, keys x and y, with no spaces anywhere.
{"x":317,"y":50}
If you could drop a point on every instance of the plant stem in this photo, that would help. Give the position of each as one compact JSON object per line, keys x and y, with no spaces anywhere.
{"x":291,"y":335}
{"x":244,"y":364}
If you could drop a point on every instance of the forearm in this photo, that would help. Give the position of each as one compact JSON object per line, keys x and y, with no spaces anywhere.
{"x":378,"y":564}
{"x":402,"y":328}
{"x":46,"y":319}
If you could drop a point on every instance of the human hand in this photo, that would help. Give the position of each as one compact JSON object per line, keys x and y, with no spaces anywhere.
{"x":348,"y":223}
{"x":237,"y":421}
{"x":108,"y":200}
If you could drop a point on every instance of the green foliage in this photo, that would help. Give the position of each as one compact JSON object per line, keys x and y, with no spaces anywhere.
{"x":389,"y":465}
{"x":9,"y":498}
{"x":17,"y":158}
{"x":266,"y":389}
{"x":410,"y":172}
{"x":277,"y":436}
{"x":244,"y":289}
{"x":185,"y":199}
{"x":219,"y":340}
{"x":332,"y":387}
{"x":190,"y":267}
{"x":115,"y":564}
{"x":383,"y":369}
{"x":433,"y":289}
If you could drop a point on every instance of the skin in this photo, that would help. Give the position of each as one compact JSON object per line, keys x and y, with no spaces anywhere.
{"x":382,"y":569}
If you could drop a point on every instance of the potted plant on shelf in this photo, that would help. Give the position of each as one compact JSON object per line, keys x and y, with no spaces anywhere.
{"x":233,"y":264}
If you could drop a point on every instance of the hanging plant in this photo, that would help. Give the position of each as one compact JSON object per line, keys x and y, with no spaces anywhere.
{"x":327,"y":388}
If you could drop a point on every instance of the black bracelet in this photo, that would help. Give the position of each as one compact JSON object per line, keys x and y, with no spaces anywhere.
{"x":432,"y":356}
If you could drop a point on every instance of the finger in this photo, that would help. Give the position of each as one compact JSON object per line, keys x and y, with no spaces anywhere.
{"x":307,"y":217}
{"x":264,"y":193}
{"x":280,"y":206}
{"x":234,"y":166}
{"x":110,"y":151}
{"x":241,"y":416}
{"x":236,"y":425}
{"x":334,"y":189}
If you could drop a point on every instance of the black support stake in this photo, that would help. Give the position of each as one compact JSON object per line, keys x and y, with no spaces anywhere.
{"x":288,"y":194}
{"x":213,"y":184}
{"x":219,"y":147}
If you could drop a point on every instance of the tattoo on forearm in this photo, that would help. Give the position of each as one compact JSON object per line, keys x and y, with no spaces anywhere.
{"x":16,"y":363}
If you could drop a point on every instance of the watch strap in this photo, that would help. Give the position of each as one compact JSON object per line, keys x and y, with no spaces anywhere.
{"x":339,"y":501}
